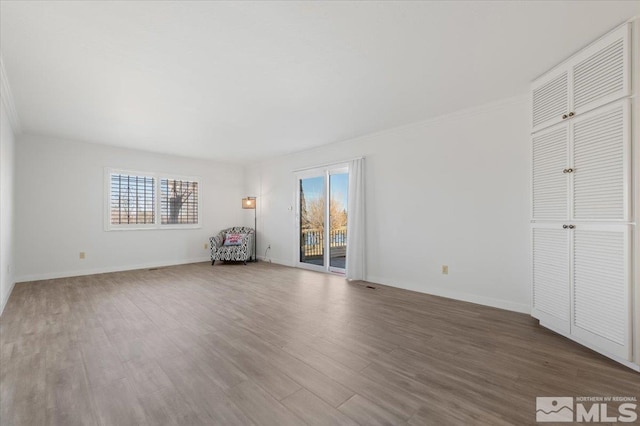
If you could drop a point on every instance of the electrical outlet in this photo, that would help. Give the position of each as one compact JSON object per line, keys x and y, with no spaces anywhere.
{"x":206,"y":246}
{"x":445,"y":270}
{"x":81,"y":255}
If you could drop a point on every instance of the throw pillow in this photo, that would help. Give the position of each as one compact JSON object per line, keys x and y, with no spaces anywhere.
{"x":234,"y":239}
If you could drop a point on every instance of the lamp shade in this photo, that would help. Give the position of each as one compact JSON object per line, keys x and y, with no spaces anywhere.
{"x":249,"y":203}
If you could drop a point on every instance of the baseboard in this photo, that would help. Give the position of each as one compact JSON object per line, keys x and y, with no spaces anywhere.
{"x":465,"y":297}
{"x":4,"y":302}
{"x":67,"y":274}
{"x":276,"y":261}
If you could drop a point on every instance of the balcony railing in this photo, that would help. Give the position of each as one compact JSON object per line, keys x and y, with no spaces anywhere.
{"x":312,"y":242}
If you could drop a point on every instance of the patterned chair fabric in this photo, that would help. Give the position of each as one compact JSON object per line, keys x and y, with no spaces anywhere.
{"x":242,"y":252}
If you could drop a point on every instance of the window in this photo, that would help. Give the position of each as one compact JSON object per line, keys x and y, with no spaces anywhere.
{"x":133,"y":201}
{"x":179,"y":203}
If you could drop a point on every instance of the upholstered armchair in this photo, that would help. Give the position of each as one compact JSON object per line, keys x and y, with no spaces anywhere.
{"x":241,"y":250}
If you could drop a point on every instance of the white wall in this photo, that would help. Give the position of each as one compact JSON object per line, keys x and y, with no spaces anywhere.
{"x":7,"y":236}
{"x":452,"y":191}
{"x":60,"y":199}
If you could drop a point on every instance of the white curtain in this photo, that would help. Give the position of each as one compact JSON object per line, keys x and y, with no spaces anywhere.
{"x":355,"y":223}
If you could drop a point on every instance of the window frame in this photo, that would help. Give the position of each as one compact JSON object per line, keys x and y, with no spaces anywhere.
{"x":157,"y":208}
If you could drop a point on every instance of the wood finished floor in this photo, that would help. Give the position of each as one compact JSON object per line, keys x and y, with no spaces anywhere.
{"x":269,"y":345}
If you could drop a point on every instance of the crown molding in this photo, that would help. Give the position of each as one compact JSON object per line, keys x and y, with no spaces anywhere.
{"x":7,"y":99}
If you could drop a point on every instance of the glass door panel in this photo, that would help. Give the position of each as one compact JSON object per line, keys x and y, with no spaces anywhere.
{"x":338,"y":187}
{"x":322,"y":219}
{"x":312,"y":220}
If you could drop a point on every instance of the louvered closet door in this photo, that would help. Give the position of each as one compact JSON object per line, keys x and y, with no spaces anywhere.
{"x":550,"y":185}
{"x":550,"y":99}
{"x":601,"y":72}
{"x":601,"y":287}
{"x":601,"y":164}
{"x":551,"y":289}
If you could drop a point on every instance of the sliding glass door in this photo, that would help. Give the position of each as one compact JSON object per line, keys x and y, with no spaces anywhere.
{"x":338,"y":186}
{"x":311,"y":220}
{"x":322,"y":219}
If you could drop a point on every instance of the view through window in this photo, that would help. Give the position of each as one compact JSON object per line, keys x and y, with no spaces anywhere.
{"x":133,"y":201}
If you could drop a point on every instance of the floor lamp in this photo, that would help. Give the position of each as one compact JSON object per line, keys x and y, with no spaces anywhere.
{"x":250,"y":203}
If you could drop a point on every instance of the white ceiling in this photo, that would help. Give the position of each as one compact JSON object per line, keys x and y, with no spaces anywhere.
{"x":241,"y":81}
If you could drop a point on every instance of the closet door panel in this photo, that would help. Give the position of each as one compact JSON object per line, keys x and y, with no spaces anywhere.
{"x":550,"y":196}
{"x":600,"y":74}
{"x":550,"y":101}
{"x":601,"y":287}
{"x":551,"y":290}
{"x":601,"y":163}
